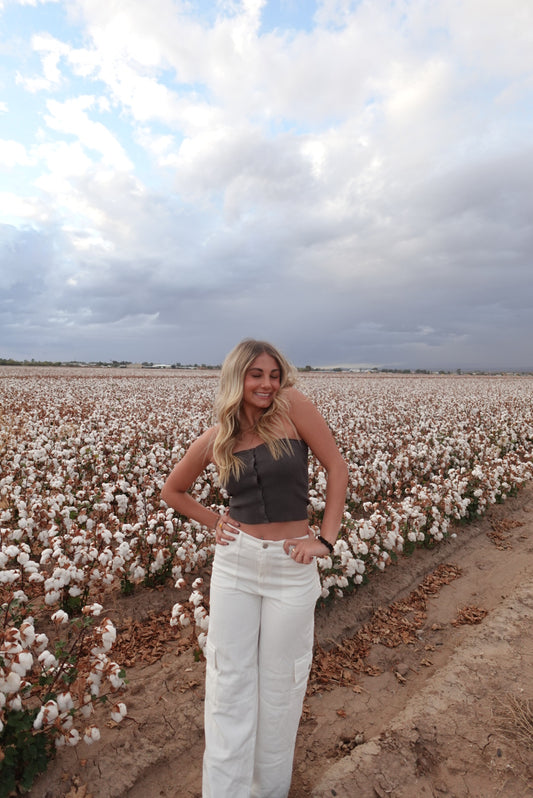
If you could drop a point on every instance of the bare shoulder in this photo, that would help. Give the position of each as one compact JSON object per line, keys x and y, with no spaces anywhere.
{"x":312,"y":428}
{"x":303,"y":413}
{"x":201,"y":449}
{"x":296,"y":397}
{"x":204,"y":443}
{"x":300,"y":404}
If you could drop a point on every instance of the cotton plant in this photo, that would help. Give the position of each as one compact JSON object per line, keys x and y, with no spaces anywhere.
{"x":81,"y":514}
{"x":48,"y":691}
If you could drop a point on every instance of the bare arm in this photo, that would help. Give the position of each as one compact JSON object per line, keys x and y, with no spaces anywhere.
{"x":184,"y":474}
{"x":313,"y":429}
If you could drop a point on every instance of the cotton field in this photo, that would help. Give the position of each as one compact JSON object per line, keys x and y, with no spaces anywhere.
{"x":84,"y":455}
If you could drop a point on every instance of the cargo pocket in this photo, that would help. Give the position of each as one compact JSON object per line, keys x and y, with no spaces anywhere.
{"x":211,"y":675}
{"x":293,"y":707}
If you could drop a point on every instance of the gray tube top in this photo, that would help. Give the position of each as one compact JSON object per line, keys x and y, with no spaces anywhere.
{"x":268,"y":490}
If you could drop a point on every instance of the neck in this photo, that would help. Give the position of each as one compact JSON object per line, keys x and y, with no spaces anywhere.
{"x":248,"y":421}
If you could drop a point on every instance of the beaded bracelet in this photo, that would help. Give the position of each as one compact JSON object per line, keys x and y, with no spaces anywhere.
{"x":326,"y":543}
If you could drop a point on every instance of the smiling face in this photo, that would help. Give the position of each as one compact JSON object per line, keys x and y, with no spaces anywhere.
{"x":261,"y":384}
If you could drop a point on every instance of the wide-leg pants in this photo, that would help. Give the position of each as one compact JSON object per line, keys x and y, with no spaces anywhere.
{"x":259,"y":652}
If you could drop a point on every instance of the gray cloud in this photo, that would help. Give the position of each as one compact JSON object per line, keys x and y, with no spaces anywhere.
{"x":359,"y":192}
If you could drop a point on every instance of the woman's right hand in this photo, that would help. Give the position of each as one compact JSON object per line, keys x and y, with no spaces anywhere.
{"x":226,"y":530}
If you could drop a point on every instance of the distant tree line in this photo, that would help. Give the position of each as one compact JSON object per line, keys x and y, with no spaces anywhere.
{"x":9,"y":361}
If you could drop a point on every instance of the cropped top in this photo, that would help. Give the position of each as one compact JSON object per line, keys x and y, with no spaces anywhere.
{"x":269,"y":490}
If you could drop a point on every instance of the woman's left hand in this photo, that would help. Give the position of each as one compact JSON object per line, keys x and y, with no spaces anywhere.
{"x":304,"y":550}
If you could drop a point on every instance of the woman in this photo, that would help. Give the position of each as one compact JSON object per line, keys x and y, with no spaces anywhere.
{"x":264,"y":582}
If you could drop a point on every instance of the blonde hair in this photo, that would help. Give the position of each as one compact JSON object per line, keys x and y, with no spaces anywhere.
{"x":229,"y":400}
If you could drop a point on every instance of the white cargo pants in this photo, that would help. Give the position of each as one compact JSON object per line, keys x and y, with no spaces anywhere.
{"x":259,"y":652}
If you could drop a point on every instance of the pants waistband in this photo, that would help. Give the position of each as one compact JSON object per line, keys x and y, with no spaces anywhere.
{"x":250,"y":540}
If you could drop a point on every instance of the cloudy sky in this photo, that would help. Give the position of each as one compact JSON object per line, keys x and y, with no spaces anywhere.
{"x":351,"y":180}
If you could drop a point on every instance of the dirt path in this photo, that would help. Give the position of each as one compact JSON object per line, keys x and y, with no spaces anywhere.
{"x":439,"y":717}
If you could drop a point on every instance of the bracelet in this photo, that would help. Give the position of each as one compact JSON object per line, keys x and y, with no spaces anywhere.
{"x":326,"y":543}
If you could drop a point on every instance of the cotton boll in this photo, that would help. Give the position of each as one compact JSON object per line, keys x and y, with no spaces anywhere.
{"x":22,"y":663}
{"x":47,"y":660}
{"x":91,"y":735}
{"x":59,"y":617}
{"x":41,"y":641}
{"x":64,"y":702}
{"x":51,"y":712}
{"x":15,"y":704}
{"x":10,"y":683}
{"x":92,"y":609}
{"x":9,"y":576}
{"x":38,"y":722}
{"x":199,"y":613}
{"x":72,"y":737}
{"x":52,"y":597}
{"x":119,"y":712}
{"x":86,"y":710}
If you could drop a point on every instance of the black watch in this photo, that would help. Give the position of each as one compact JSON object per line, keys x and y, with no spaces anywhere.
{"x":326,"y":543}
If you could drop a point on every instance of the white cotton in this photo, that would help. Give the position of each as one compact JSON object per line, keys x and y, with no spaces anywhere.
{"x":51,"y":712}
{"x":15,"y":704}
{"x":52,"y":597}
{"x":22,"y":663}
{"x":86,"y":710}
{"x":41,"y":641}
{"x":72,"y":737}
{"x":92,"y":609}
{"x":119,"y":712}
{"x":60,"y":617}
{"x":115,"y":680}
{"x":38,"y":722}
{"x":64,"y":702}
{"x":91,"y":735}
{"x":9,"y":576}
{"x":47,"y":660}
{"x":196,"y":598}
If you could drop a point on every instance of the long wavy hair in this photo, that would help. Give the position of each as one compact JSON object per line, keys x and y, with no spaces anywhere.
{"x":229,"y":400}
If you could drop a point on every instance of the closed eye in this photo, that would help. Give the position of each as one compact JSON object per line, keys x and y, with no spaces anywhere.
{"x":273,"y":376}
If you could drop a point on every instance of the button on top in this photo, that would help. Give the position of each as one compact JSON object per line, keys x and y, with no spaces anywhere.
{"x":265,"y":545}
